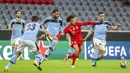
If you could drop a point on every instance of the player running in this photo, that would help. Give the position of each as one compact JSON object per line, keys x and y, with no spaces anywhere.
{"x":74,"y":30}
{"x":55,"y":26}
{"x":99,"y":37}
{"x":70,"y":50}
{"x":28,"y":40}
{"x":16,"y":26}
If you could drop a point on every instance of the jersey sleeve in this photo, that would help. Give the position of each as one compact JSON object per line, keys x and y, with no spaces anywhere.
{"x":86,"y":23}
{"x":11,"y":24}
{"x":23,"y":24}
{"x":108,"y":24}
{"x":93,"y":27}
{"x":44,"y":22}
{"x":66,"y":30}
{"x":62,"y":26}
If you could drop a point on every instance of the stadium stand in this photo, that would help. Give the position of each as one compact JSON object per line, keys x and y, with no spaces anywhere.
{"x":84,"y":9}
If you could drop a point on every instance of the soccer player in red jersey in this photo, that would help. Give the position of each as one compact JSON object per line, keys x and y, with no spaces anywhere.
{"x":74,"y":30}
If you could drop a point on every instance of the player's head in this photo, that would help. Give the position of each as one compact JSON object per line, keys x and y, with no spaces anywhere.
{"x":18,"y":13}
{"x":101,"y":16}
{"x":35,"y":19}
{"x":55,"y":13}
{"x":72,"y":19}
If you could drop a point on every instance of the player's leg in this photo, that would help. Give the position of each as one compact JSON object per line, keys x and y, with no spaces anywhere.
{"x":102,"y":52}
{"x":15,"y":43}
{"x":99,"y":48}
{"x":49,"y":50}
{"x":95,"y":55}
{"x":13,"y":47}
{"x":80,"y":50}
{"x":74,"y":55}
{"x":34,"y":48}
{"x":14,"y":57}
{"x":37,"y":60}
{"x":70,"y":51}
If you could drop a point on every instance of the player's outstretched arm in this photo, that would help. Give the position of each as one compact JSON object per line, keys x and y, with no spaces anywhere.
{"x":11,"y":29}
{"x":88,"y":35}
{"x":41,"y":37}
{"x":88,"y":23}
{"x":48,"y":33}
{"x":117,"y":26}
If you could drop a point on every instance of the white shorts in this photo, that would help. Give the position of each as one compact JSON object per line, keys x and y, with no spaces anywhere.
{"x":101,"y":43}
{"x":15,"y":42}
{"x":27,"y":43}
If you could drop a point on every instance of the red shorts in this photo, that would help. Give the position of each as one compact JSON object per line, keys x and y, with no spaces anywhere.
{"x":78,"y":43}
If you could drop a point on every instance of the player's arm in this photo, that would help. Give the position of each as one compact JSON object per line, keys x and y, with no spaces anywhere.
{"x":41,"y":37}
{"x":63,"y":33}
{"x":10,"y":26}
{"x":87,"y":23}
{"x":23,"y":24}
{"x":48,"y":33}
{"x":62,"y":26}
{"x":88,"y":34}
{"x":117,"y":25}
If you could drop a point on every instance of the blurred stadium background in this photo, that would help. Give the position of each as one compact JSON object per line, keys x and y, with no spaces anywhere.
{"x":84,"y":9}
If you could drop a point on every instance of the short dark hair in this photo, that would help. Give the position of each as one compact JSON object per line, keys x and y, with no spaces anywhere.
{"x":35,"y":18}
{"x":55,"y":10}
{"x":70,"y":17}
{"x":17,"y":11}
{"x":100,"y":13}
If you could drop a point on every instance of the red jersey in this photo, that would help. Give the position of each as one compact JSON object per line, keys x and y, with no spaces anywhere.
{"x":75,"y":31}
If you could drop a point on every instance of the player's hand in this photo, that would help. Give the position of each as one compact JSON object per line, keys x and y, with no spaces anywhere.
{"x":41,"y":37}
{"x":61,"y":33}
{"x":55,"y":38}
{"x":67,"y":38}
{"x":84,"y":40}
{"x":13,"y":29}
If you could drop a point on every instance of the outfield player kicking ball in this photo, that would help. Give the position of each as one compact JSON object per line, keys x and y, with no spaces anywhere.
{"x":74,"y":30}
{"x":99,"y":37}
{"x":55,"y":26}
{"x":28,"y":40}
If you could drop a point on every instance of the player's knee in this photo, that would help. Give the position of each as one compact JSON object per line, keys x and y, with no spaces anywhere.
{"x":77,"y":51}
{"x":96,"y":47}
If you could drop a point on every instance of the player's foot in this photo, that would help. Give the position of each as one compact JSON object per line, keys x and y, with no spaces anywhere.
{"x":72,"y":66}
{"x":66,"y":58}
{"x":40,"y":63}
{"x":94,"y":66}
{"x":6,"y":69}
{"x":38,"y":66}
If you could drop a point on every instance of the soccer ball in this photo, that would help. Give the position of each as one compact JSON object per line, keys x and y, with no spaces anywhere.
{"x":123,"y":64}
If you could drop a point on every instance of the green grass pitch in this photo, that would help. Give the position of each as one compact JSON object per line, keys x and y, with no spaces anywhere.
{"x":58,"y":66}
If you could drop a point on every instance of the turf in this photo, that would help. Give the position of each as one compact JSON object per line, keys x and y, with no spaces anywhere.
{"x":58,"y":66}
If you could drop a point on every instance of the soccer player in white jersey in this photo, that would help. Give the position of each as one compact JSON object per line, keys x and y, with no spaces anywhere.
{"x":99,"y":37}
{"x":28,"y":40}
